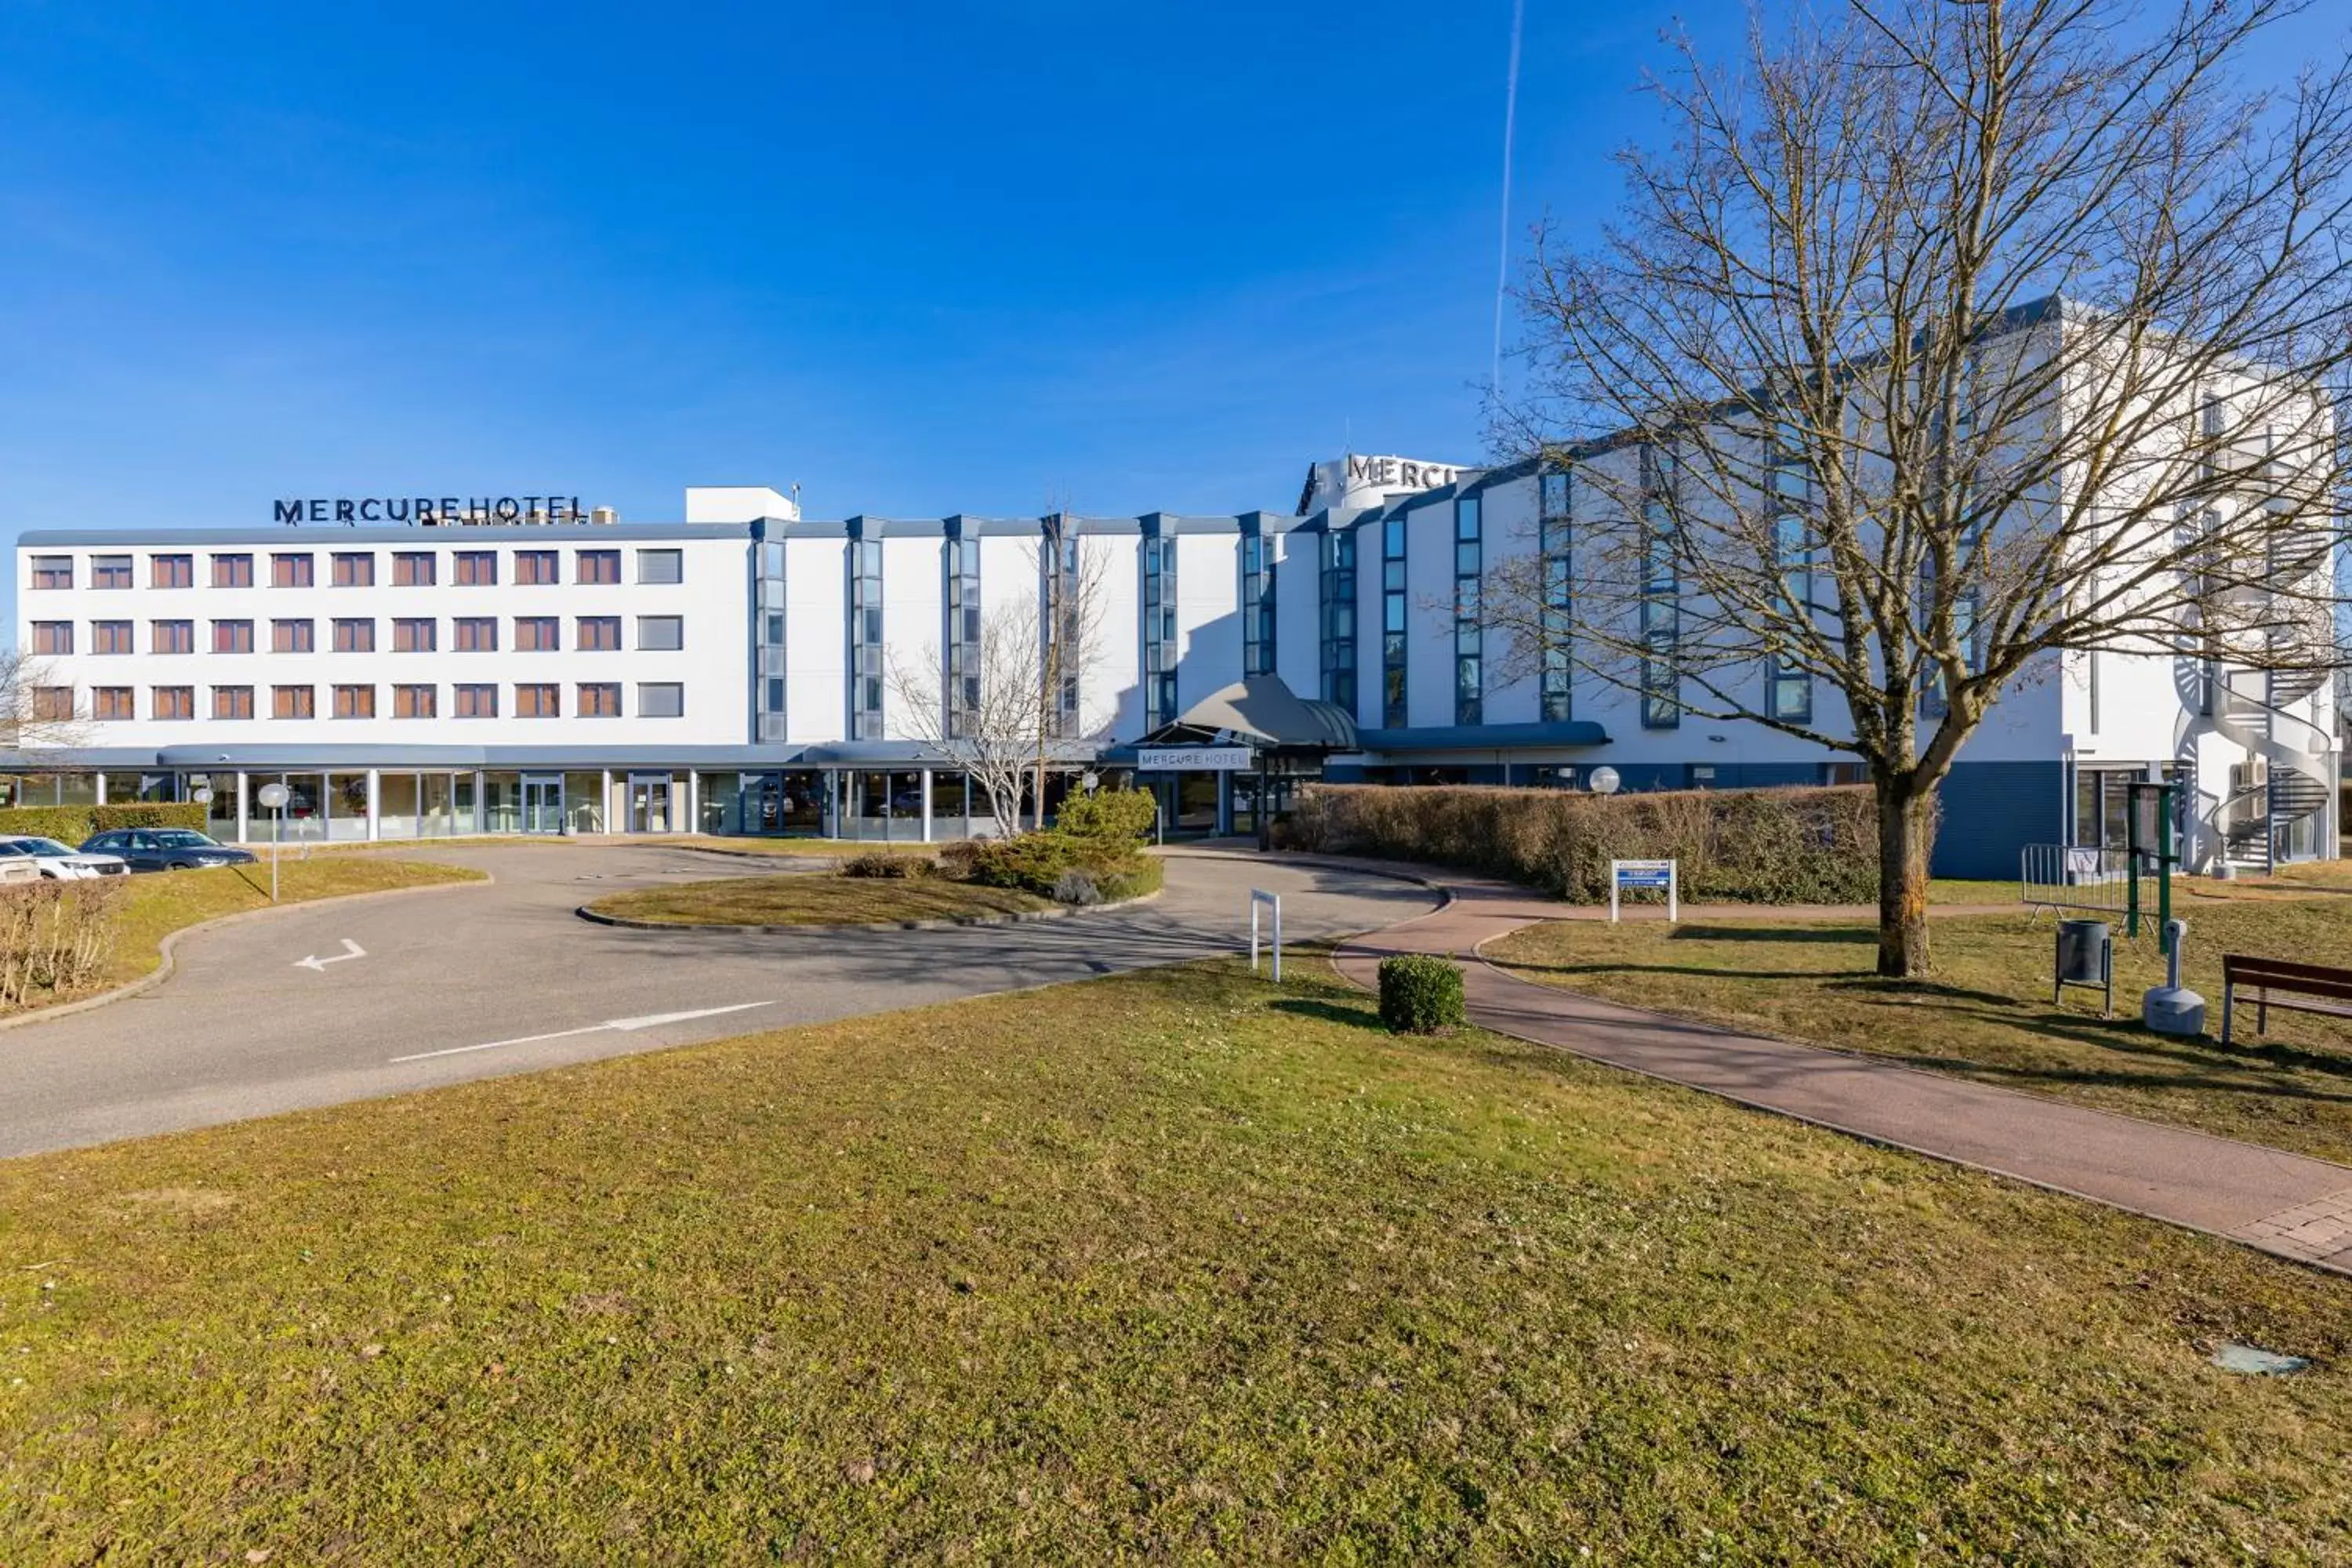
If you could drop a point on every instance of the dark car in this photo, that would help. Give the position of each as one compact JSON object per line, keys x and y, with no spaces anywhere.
{"x":167,"y":848}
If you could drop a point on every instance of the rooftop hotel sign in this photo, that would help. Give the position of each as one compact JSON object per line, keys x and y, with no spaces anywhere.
{"x":428,"y":511}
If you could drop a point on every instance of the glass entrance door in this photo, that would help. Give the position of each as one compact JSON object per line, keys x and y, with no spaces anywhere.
{"x":649,"y":803}
{"x":543,"y":803}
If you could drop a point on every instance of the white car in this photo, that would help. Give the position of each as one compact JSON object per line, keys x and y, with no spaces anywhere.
{"x":59,"y":863}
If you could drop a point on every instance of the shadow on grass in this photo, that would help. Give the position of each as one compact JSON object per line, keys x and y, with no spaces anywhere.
{"x":1852,"y":936}
{"x":1361,"y":1017}
{"x":1715,"y":973}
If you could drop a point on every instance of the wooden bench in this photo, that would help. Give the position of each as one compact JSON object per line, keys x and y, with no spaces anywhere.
{"x":2308,"y":987}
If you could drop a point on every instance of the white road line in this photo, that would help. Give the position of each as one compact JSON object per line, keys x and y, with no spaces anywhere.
{"x":318,"y":965}
{"x":650,"y":1021}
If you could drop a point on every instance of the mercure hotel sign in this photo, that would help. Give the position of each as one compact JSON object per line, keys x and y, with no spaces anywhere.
{"x":428,"y":510}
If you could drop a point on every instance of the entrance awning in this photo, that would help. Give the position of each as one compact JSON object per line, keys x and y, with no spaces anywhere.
{"x":1260,"y":711}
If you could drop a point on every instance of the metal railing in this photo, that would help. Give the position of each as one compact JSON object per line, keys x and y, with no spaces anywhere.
{"x":2095,"y":881}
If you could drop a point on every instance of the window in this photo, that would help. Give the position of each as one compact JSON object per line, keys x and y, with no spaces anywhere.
{"x":661,"y":633}
{"x":1556,"y":702}
{"x":660,"y":699}
{"x":355,"y":702}
{"x":1469,"y":632}
{"x":536,"y":566}
{"x":110,"y":636}
{"x":413,"y":634}
{"x":412,"y":568}
{"x":1066,"y":609}
{"x":52,"y":570}
{"x":1158,"y":623}
{"x":291,"y":569}
{"x":1392,"y":621}
{"x":1788,"y":686}
{"x":232,"y":571}
{"x":293,"y":702}
{"x":959,"y":689}
{"x":770,"y":658}
{"x":1337,"y":608}
{"x":535,"y":699}
{"x":600,"y":699}
{"x":866,"y":656}
{"x":172,"y":571}
{"x":53,"y":702}
{"x":538,"y":634}
{"x":232,"y":701}
{"x":1257,"y":598}
{"x":171,"y":637}
{"x":108,"y":572}
{"x":476,"y":568}
{"x":232,"y":636}
{"x":477,"y":701}
{"x":50,"y":637}
{"x":111,"y":703}
{"x":414,"y":701}
{"x":1660,"y":595}
{"x":661,"y":566}
{"x":291,"y":636}
{"x":600,"y":566}
{"x":476,"y":634}
{"x":599,"y":633}
{"x":355,"y":634}
{"x":354,"y":569}
{"x":175,"y":701}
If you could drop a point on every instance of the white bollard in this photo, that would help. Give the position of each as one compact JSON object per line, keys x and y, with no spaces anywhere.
{"x":1258,"y":898}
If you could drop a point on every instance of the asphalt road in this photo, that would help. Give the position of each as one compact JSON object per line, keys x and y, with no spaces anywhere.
{"x":474,"y":981}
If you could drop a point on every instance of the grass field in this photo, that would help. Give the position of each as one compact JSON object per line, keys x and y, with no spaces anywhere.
{"x":815,"y":900}
{"x":1988,"y":1015}
{"x":156,"y":905}
{"x":1170,"y":1265}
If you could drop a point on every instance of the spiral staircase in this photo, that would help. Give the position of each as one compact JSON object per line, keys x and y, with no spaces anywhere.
{"x":2286,"y":778}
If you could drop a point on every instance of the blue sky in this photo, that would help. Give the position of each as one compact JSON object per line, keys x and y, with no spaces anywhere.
{"x":917,"y":258}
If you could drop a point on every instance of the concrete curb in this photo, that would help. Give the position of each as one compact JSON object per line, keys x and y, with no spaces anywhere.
{"x":166,"y":948}
{"x":1023,"y":917}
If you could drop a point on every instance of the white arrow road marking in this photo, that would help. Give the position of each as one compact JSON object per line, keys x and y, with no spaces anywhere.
{"x":650,"y":1021}
{"x":318,"y":965}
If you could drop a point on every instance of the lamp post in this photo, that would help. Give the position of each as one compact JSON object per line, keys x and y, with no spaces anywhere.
{"x":273,"y":797}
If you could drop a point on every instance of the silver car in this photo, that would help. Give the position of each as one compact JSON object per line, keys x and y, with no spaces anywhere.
{"x":58,"y":862}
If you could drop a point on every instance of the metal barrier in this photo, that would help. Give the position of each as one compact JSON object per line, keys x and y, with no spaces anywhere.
{"x":2099,"y":881}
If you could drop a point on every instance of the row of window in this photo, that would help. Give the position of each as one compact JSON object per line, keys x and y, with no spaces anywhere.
{"x":357,"y":634}
{"x":533,"y":700}
{"x":357,"y":568}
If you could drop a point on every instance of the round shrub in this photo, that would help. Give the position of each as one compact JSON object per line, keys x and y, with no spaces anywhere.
{"x":883,"y":863}
{"x":1421,"y":994}
{"x":1122,"y":815}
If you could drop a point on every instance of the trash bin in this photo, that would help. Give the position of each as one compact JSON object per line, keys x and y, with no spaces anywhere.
{"x":2085,"y":956}
{"x":2083,"y":947}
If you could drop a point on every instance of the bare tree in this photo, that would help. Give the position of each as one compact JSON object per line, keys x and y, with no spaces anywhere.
{"x":37,"y":710}
{"x":1010,"y":692}
{"x":1941,"y":340}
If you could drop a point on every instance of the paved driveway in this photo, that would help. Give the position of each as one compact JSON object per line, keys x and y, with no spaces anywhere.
{"x":474,"y":981}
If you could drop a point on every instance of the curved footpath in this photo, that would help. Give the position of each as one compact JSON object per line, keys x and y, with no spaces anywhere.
{"x":2291,"y":1205}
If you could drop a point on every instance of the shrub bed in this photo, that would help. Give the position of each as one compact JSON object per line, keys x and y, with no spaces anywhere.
{"x":1794,"y":846}
{"x":1421,"y":994}
{"x":73,"y":823}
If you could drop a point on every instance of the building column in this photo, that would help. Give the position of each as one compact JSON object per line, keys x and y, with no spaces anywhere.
{"x":1225,"y":802}
{"x":97,"y":788}
{"x":693,"y":804}
{"x":604,"y":804}
{"x":243,"y":834}
{"x":923,"y":782}
{"x":375,"y":804}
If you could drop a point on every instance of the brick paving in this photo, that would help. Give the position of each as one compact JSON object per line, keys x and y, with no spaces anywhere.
{"x":2290,"y":1205}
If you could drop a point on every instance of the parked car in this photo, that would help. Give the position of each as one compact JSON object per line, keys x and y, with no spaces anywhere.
{"x":57,"y":862}
{"x":167,"y":848}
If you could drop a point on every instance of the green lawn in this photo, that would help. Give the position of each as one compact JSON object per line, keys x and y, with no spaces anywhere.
{"x":158,"y":904}
{"x":1987,"y":1013}
{"x":815,"y":900}
{"x":1167,"y":1266}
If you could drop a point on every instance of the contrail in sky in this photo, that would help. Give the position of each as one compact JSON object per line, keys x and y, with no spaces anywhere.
{"x":1503,"y":255}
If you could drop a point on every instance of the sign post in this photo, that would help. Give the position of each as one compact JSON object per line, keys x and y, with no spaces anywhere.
{"x":1260,"y":899}
{"x":1646,"y":876}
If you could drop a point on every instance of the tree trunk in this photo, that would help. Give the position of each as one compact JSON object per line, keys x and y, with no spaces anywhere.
{"x":1906,"y":836}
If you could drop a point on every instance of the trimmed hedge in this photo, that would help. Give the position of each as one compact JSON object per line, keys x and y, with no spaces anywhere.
{"x":1796,"y":845}
{"x":1125,"y":815}
{"x":74,"y":824}
{"x":1421,"y":994}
